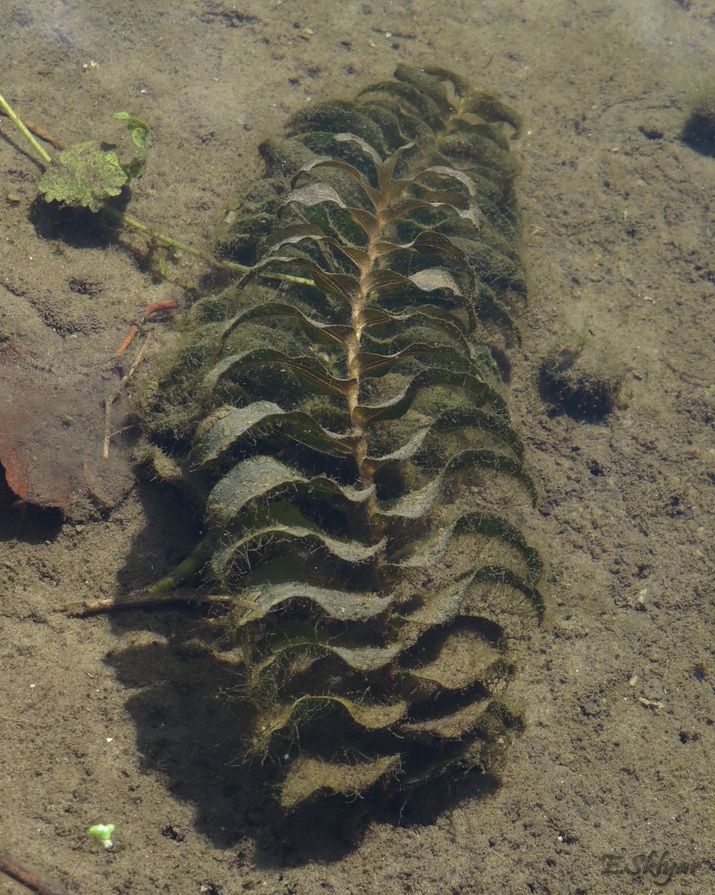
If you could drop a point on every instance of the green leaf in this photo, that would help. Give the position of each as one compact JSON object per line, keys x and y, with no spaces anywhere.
{"x":309,"y":370}
{"x":374,"y":195}
{"x":414,"y":505}
{"x":435,"y":278}
{"x":496,"y":462}
{"x":137,"y":127}
{"x":85,"y":175}
{"x":458,"y":204}
{"x":425,"y":106}
{"x":363,"y":144}
{"x":247,"y":481}
{"x":371,"y":716}
{"x":419,"y":502}
{"x":460,"y":656}
{"x":321,"y":332}
{"x":408,"y":73}
{"x":491,"y":107}
{"x":338,"y":604}
{"x":314,"y":193}
{"x":390,"y":188}
{"x":429,"y":315}
{"x":308,"y":777}
{"x":260,"y":478}
{"x":343,"y":285}
{"x":140,"y":137}
{"x":273,"y":533}
{"x":335,"y":117}
{"x":402,"y":453}
{"x":371,"y":364}
{"x":495,"y":526}
{"x":396,"y":407}
{"x":490,"y":525}
{"x":454,"y":173}
{"x":505,"y":577}
{"x":227,"y":426}
{"x":440,"y":606}
{"x":496,"y":426}
{"x":453,"y":726}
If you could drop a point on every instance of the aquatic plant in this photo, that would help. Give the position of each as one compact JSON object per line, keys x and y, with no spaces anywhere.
{"x":351,"y":447}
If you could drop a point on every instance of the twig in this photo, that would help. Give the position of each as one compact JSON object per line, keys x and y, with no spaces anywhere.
{"x":41,"y":133}
{"x":112,"y":397}
{"x":29,"y":878}
{"x":13,"y":116}
{"x":167,"y":590}
{"x":154,"y":235}
{"x":84,"y":608}
{"x":134,"y":328}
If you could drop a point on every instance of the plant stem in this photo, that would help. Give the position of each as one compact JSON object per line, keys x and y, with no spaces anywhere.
{"x":12,"y":115}
{"x":128,"y":221}
{"x":184,"y":571}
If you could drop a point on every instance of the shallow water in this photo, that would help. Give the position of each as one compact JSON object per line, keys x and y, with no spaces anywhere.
{"x":618,"y":224}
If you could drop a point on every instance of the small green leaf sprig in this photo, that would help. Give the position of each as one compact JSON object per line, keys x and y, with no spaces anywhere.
{"x":104,"y":833}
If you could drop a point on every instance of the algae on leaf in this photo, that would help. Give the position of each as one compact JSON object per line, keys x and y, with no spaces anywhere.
{"x":85,"y":175}
{"x":351,"y":434}
{"x":89,"y":173}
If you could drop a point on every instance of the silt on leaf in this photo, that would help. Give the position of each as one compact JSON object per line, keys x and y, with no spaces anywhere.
{"x":85,"y":175}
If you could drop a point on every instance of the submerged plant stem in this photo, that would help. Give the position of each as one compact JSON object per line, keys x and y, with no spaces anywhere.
{"x":184,"y":571}
{"x":13,"y":116}
{"x":128,"y":221}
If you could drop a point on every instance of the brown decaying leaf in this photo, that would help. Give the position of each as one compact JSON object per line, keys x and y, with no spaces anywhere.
{"x":50,"y":433}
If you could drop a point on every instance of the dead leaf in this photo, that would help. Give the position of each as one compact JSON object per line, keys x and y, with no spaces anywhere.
{"x":51,"y":431}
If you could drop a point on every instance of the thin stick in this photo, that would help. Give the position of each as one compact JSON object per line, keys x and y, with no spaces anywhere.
{"x":40,"y":132}
{"x":112,"y":397}
{"x":167,"y":590}
{"x":147,"y":232}
{"x":133,"y":330}
{"x":84,"y":608}
{"x":28,"y":878}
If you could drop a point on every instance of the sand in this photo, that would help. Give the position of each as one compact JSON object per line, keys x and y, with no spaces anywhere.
{"x":104,"y":719}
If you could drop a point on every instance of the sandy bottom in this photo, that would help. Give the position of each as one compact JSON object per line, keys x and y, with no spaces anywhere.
{"x":102,"y":719}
